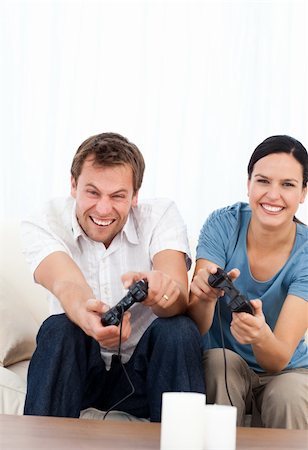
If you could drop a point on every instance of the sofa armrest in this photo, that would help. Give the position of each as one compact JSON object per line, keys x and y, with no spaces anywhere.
{"x":12,"y":392}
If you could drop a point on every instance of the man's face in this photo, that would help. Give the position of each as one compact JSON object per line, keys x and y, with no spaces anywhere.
{"x":104,"y":197}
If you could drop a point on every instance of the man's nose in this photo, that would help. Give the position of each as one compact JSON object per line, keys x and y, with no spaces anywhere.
{"x":104,"y":206}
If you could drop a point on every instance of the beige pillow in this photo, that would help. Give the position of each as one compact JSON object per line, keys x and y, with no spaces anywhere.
{"x":18,"y":328}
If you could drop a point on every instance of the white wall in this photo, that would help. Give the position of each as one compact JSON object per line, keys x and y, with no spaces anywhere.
{"x":197,"y":85}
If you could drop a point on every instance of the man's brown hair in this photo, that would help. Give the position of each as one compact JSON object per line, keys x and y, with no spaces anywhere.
{"x":109,"y":149}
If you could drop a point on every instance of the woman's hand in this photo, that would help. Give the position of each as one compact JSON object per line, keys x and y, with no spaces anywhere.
{"x":203,"y":297}
{"x":248,"y":329}
{"x":200,"y":286}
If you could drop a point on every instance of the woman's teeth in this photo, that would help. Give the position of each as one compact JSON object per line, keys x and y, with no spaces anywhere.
{"x":272,"y":208}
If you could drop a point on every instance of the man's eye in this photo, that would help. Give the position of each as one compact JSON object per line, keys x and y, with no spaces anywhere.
{"x":287,"y":184}
{"x":261,"y":180}
{"x":93,"y":193}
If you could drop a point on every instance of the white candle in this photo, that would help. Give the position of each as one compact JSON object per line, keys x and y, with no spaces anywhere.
{"x":219,"y":427}
{"x":182,"y":421}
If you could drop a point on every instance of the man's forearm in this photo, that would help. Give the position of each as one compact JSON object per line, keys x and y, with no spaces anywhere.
{"x":72,"y":296}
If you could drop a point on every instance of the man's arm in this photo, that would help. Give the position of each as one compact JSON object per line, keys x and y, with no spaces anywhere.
{"x":172,"y":264}
{"x":62,"y":277}
{"x":168,"y":283}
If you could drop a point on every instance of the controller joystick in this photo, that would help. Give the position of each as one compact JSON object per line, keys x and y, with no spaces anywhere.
{"x":137,"y":292}
{"x":238,"y":302}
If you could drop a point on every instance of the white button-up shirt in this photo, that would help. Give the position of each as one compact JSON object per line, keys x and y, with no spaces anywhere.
{"x":151,"y":227}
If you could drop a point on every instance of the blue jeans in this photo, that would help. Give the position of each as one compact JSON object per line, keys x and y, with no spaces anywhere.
{"x":67,"y":374}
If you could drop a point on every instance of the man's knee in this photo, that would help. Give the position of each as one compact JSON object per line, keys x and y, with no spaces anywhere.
{"x":176,"y":330}
{"x":58,"y":327}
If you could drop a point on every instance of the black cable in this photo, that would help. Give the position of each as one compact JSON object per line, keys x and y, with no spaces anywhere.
{"x":124,"y":369}
{"x":224,"y":351}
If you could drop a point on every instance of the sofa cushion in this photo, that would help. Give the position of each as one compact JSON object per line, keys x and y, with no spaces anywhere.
{"x":12,"y":392}
{"x":92,"y":413}
{"x":18,"y":327}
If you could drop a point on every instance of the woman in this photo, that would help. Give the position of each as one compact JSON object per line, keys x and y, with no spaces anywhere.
{"x":264,"y":249}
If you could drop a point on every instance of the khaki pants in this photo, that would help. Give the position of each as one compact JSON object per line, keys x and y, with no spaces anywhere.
{"x":280,"y":400}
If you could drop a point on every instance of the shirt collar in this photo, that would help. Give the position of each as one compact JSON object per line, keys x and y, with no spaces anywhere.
{"x":76,"y":228}
{"x":130,"y":229}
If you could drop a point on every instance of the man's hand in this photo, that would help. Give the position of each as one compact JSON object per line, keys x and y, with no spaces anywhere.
{"x":167,"y":282}
{"x":60,"y":275}
{"x":162,"y":291}
{"x":90,"y":321}
{"x":248,"y":329}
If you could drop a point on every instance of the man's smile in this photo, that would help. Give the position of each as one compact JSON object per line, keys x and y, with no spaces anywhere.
{"x":101,"y":222}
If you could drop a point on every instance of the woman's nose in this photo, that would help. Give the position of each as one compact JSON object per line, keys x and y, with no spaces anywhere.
{"x":273,"y":192}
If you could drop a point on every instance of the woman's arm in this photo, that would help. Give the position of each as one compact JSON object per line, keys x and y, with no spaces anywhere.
{"x":273,"y":349}
{"x":203,"y":297}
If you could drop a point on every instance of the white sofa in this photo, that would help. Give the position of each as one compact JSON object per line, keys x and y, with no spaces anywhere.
{"x":23,"y":307}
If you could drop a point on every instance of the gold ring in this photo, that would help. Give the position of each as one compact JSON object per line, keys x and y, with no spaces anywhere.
{"x":165,"y":297}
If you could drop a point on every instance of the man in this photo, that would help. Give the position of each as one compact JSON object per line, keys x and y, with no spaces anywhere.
{"x":87,"y":250}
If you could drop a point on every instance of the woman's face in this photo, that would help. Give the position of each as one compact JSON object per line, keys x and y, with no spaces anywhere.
{"x":275,"y":189}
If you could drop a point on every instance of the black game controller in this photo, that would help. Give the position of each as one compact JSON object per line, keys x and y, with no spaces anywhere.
{"x":137,"y":292}
{"x":239,"y":302}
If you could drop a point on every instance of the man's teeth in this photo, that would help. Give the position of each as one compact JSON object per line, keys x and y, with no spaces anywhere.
{"x":272,"y":208}
{"x":103,"y":223}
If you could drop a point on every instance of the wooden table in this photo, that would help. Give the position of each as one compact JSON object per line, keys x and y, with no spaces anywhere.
{"x":46,"y":433}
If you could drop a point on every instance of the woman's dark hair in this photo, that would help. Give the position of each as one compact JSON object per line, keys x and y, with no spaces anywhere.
{"x":281,"y":144}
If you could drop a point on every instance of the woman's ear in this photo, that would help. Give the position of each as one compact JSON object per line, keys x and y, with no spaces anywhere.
{"x":303,"y":196}
{"x":248,"y":186}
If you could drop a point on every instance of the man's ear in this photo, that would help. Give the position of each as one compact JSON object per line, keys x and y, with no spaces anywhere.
{"x":73,"y":187}
{"x":135,"y":199}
